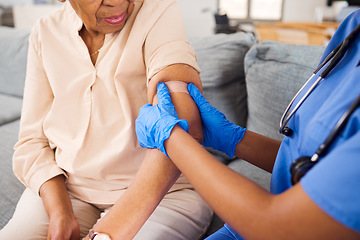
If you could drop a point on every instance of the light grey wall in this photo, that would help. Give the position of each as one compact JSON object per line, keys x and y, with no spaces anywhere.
{"x":9,"y":3}
{"x":199,"y":14}
{"x":301,"y":10}
{"x":198,"y":17}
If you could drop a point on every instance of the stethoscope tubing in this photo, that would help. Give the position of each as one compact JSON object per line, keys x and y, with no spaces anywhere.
{"x":338,"y":127}
{"x":335,"y":56}
{"x":284,"y":123}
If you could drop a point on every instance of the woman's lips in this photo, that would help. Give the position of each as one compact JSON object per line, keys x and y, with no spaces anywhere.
{"x":114,"y":20}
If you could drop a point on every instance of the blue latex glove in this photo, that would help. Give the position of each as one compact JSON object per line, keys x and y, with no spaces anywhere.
{"x":219,"y":133}
{"x":155,"y":123}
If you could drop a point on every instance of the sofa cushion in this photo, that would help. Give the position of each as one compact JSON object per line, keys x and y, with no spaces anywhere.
{"x":221,"y":60}
{"x":274,"y":73}
{"x":11,"y":188}
{"x":13,"y":58}
{"x":10,"y":108}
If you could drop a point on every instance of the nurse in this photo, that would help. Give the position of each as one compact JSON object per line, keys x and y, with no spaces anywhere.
{"x":324,"y":204}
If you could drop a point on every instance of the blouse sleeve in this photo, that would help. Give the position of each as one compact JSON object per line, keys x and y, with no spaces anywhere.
{"x":166,"y":43}
{"x":34,"y":159}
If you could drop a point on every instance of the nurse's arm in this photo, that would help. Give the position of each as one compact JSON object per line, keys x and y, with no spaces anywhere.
{"x":157,"y":173}
{"x":249,"y":209}
{"x":258,"y":150}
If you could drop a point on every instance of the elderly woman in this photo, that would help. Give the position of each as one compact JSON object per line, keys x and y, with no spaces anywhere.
{"x":91,"y":66}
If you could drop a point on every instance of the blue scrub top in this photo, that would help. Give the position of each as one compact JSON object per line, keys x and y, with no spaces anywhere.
{"x":333,"y":183}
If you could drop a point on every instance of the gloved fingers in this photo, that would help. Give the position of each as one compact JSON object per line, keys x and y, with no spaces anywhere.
{"x":198,"y":98}
{"x":165,"y":102}
{"x":205,"y":108}
{"x":144,"y":109}
{"x":163,"y":94}
{"x":195,"y":93}
{"x":142,"y":129}
{"x":164,"y":99}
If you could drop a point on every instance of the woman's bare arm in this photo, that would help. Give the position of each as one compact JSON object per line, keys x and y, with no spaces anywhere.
{"x":56,"y":200}
{"x":157,"y":173}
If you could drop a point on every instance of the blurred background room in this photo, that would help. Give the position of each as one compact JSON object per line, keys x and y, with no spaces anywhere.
{"x":292,"y":21}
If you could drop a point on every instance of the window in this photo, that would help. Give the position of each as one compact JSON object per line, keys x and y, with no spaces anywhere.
{"x":252,"y":9}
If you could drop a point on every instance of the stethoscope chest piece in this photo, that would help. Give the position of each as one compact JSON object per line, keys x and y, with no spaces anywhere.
{"x":300,"y":167}
{"x":287,"y":131}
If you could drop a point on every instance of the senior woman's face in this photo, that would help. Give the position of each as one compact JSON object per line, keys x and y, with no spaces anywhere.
{"x":103,"y":16}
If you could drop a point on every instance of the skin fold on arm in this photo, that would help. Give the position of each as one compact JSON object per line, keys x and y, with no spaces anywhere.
{"x":157,"y":173}
{"x":245,"y":206}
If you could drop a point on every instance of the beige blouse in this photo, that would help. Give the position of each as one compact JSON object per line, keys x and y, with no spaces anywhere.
{"x":77,"y":118}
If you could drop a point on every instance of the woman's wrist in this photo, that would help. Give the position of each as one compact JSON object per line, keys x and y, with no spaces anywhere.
{"x":54,"y":191}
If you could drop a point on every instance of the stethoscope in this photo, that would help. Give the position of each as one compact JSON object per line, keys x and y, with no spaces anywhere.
{"x":303,"y":164}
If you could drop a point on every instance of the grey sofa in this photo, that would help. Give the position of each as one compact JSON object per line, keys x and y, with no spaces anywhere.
{"x":250,"y":82}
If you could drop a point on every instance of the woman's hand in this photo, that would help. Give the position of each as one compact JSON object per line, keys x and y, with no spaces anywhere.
{"x":62,"y":224}
{"x":219,"y":133}
{"x":155,"y":123}
{"x":63,"y":227}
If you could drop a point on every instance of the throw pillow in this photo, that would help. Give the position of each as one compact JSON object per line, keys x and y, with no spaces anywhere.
{"x":13,"y":58}
{"x":274,"y":73}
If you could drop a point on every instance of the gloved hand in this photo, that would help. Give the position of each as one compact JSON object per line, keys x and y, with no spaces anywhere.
{"x":219,"y":133}
{"x":155,"y":123}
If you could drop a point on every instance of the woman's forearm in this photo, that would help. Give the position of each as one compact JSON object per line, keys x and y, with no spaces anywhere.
{"x":57,"y":203}
{"x":154,"y":178}
{"x":55,"y":197}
